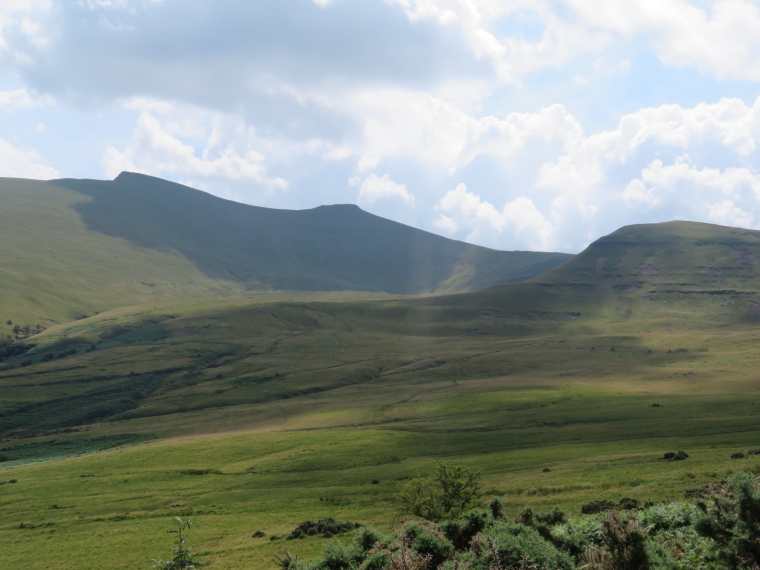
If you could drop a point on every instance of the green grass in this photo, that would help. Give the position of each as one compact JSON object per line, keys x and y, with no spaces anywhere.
{"x":274,"y":411}
{"x":72,"y":248}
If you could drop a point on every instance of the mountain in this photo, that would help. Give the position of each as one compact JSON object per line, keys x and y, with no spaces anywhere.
{"x":698,"y":268}
{"x":562,"y":390}
{"x":69,"y":248}
{"x":625,"y":289}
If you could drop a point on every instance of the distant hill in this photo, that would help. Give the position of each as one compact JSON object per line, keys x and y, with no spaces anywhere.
{"x":672,"y":270}
{"x":645,"y":297}
{"x":71,"y":247}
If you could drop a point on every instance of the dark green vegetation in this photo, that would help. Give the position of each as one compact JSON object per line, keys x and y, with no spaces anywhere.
{"x":64,"y":447}
{"x":562,"y":390}
{"x":451,"y":491}
{"x":70,"y":248}
{"x":720,"y":531}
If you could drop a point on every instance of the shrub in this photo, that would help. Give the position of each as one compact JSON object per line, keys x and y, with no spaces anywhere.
{"x":461,"y":531}
{"x":366,"y":538}
{"x":675,"y":455}
{"x":577,"y":535}
{"x":182,"y":558}
{"x":337,"y":556}
{"x":627,"y":503}
{"x":497,"y":508}
{"x":452,"y":490}
{"x":594,"y":507}
{"x":508,"y":545}
{"x":428,"y":541}
{"x":668,"y":516}
{"x":322,"y":526}
{"x":376,"y":561}
{"x":731,"y":517}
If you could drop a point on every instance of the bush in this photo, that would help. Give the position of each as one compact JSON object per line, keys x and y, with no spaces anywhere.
{"x":366,"y":538}
{"x":461,"y":531}
{"x":730,"y":515}
{"x":337,"y":556}
{"x":323,"y":527}
{"x":577,"y":535}
{"x":628,"y":504}
{"x":594,"y":507}
{"x":428,"y":541}
{"x":675,"y":456}
{"x":668,"y":516}
{"x":451,"y":491}
{"x":510,"y":545}
{"x":625,"y":542}
{"x":182,"y":558}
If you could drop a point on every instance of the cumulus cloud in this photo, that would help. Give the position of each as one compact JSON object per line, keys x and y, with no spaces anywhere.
{"x":721,"y":41}
{"x":502,"y":100}
{"x":156,"y":148}
{"x":436,"y":131}
{"x":729,"y":122}
{"x":23,"y":99}
{"x":707,"y":193}
{"x":375,"y":188}
{"x":519,"y":218}
{"x":512,"y":56}
{"x":20,"y":163}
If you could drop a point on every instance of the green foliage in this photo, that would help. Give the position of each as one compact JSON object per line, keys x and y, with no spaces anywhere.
{"x":675,"y":455}
{"x":668,"y":516}
{"x":89,"y":406}
{"x":10,"y":348}
{"x":322,"y":527}
{"x":450,"y":491}
{"x":428,"y":541}
{"x":625,"y":543}
{"x":508,"y":545}
{"x":731,"y":517}
{"x":182,"y":557}
{"x":461,"y":531}
{"x":64,"y":447}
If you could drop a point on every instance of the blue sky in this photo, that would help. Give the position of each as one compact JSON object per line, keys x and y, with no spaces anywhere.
{"x":514,"y":124}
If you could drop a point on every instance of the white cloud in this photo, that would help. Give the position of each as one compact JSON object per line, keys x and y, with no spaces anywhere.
{"x":435,"y":131}
{"x":22,"y":99}
{"x":512,"y":56}
{"x":659,"y":183}
{"x":16,"y":14}
{"x":18,"y":163}
{"x":728,"y":214}
{"x":446,"y":224}
{"x":729,"y":122}
{"x":518,"y":218}
{"x":155,"y":149}
{"x":376,"y":188}
{"x":722,"y":41}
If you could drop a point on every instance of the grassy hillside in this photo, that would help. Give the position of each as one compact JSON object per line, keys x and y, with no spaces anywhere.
{"x":269,"y":413}
{"x":69,"y":248}
{"x":329,"y":248}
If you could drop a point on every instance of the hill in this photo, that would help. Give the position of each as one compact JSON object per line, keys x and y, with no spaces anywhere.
{"x":637,"y":283}
{"x":561,"y":390}
{"x":69,"y":248}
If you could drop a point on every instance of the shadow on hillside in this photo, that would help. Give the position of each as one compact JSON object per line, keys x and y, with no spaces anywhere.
{"x":329,"y":248}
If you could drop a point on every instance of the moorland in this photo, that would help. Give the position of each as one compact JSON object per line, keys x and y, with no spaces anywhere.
{"x":250,"y":406}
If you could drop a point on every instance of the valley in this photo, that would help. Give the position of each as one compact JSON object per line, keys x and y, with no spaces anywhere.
{"x":257,"y":409}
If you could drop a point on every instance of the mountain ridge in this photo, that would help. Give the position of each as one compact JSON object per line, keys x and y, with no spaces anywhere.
{"x":70,"y":248}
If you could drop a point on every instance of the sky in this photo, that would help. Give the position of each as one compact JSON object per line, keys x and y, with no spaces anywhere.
{"x":513,"y":124}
